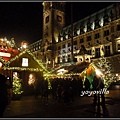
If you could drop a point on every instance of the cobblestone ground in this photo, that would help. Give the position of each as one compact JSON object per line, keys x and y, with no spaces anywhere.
{"x":29,"y":107}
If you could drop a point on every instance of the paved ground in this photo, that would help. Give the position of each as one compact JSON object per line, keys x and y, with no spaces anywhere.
{"x":29,"y":107}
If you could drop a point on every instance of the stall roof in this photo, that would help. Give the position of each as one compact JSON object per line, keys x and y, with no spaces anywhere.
{"x":76,"y":68}
{"x":33,"y":63}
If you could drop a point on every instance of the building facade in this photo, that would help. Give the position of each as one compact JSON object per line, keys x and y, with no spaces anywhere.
{"x":97,"y":32}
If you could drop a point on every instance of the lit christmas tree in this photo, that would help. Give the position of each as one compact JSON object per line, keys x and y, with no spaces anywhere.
{"x":105,"y":67}
{"x":17,"y":86}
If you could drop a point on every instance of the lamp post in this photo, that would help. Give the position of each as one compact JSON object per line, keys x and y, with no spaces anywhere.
{"x":72,"y":57}
{"x":24,"y":45}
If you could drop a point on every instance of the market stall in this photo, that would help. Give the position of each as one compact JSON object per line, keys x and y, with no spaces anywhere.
{"x":25,"y":68}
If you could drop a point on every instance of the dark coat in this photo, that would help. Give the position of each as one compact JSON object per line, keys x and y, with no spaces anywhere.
{"x":97,"y":83}
{"x":3,"y":91}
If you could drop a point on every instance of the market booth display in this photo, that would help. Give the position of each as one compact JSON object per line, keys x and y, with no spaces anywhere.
{"x":100,"y":68}
{"x":24,"y":69}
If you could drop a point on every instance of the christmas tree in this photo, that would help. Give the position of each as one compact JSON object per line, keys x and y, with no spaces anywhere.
{"x":17,"y":86}
{"x":105,"y":67}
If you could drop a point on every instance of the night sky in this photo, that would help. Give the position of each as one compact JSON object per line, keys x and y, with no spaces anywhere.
{"x":23,"y":20}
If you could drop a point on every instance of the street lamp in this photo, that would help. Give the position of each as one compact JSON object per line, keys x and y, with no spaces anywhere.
{"x":24,"y":45}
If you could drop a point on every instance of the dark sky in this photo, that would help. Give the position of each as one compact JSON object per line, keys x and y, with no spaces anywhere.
{"x":23,"y":20}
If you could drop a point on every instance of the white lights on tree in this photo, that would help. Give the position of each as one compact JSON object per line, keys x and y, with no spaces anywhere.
{"x":17,"y":87}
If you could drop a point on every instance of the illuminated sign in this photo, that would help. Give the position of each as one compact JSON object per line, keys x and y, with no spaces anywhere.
{"x":25,"y":62}
{"x":5,"y":54}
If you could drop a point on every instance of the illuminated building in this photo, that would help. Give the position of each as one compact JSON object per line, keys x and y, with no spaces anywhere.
{"x":97,"y":32}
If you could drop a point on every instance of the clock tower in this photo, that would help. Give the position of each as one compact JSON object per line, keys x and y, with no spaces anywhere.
{"x":53,"y":23}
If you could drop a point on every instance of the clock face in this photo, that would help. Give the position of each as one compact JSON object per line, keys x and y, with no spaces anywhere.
{"x":59,"y":18}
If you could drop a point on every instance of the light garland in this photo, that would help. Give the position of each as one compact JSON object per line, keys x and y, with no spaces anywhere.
{"x":2,"y":60}
{"x":7,"y":64}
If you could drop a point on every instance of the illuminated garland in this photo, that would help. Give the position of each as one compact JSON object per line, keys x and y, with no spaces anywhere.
{"x":19,"y":68}
{"x":2,"y":60}
{"x":6,"y":67}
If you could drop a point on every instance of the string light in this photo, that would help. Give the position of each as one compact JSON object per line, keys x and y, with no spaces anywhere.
{"x":105,"y":66}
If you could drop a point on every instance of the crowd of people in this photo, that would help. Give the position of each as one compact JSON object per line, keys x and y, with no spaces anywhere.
{"x":62,"y":89}
{"x":65,"y":89}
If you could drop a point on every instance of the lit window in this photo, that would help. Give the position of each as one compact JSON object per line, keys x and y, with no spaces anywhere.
{"x":101,"y":22}
{"x":66,"y":36}
{"x":85,"y":28}
{"x":61,"y":38}
{"x":25,"y":62}
{"x":93,"y":26}
{"x":78,"y":32}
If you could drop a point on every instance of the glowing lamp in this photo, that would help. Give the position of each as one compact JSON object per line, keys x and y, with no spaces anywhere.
{"x":98,"y":73}
{"x":0,"y":64}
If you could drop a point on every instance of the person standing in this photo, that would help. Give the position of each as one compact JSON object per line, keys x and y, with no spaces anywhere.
{"x":87,"y":84}
{"x":3,"y":94}
{"x":80,"y":86}
{"x":98,"y":84}
{"x":36,"y":88}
